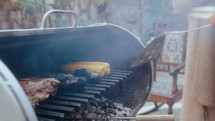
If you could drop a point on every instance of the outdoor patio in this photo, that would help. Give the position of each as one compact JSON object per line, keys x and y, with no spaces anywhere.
{"x":162,"y":76}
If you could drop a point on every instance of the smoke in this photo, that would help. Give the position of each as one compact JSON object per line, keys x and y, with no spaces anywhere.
{"x":47,"y":52}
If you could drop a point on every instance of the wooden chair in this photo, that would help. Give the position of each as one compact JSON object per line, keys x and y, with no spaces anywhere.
{"x":172,"y":59}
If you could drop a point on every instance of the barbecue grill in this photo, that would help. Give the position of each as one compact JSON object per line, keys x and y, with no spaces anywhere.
{"x":34,"y":52}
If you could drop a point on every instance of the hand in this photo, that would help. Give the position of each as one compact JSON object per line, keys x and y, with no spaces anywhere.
{"x":213,"y":19}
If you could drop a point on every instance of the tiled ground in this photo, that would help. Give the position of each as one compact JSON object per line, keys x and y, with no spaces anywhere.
{"x":163,"y":109}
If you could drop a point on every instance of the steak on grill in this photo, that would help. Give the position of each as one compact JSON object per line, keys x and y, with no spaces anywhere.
{"x":38,"y":89}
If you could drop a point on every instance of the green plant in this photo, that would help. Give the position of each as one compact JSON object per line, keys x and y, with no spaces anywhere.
{"x":159,"y":8}
{"x":83,"y":22}
{"x":129,"y":11}
{"x":58,"y":5}
{"x":102,"y":2}
{"x":153,"y":10}
{"x":60,"y":23}
{"x":103,"y":6}
{"x":29,"y":6}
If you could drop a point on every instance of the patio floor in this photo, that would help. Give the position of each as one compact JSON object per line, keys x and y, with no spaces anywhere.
{"x":161,"y":76}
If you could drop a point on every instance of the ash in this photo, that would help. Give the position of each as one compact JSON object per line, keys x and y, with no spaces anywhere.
{"x":103,"y":108}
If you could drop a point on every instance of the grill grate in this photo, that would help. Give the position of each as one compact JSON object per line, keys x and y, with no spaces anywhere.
{"x":112,"y":77}
{"x":53,"y":114}
{"x":67,"y":103}
{"x":118,"y":75}
{"x":92,"y":92}
{"x":82,"y":95}
{"x":100,"y":85}
{"x":82,"y":100}
{"x":95,"y":88}
{"x":55,"y":108}
{"x":121,"y":73}
{"x":44,"y":119}
{"x":110,"y":80}
{"x":107,"y":82}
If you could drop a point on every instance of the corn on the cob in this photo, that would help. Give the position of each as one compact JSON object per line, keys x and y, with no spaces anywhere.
{"x":104,"y":64}
{"x":101,"y":68}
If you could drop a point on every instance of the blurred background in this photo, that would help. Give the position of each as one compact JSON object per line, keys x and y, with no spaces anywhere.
{"x":142,"y":17}
{"x":146,"y":19}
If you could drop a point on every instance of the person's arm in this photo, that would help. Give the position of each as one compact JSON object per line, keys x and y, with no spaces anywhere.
{"x":213,"y":19}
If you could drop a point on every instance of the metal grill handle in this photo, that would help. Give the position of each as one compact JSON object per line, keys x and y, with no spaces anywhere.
{"x":58,"y":11}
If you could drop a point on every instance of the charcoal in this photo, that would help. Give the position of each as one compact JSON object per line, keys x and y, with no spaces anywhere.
{"x":112,"y":115}
{"x":71,"y":116}
{"x":84,"y":114}
{"x":92,"y":116}
{"x":109,"y":110}
{"x":103,"y":107}
{"x":119,"y":113}
{"x":102,"y":112}
{"x":67,"y":79}
{"x":96,"y":107}
{"x":89,"y":75}
{"x":78,"y":116}
{"x":91,"y":108}
{"x":97,"y":99}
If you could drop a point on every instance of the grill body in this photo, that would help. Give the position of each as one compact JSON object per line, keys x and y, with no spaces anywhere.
{"x":33,"y":52}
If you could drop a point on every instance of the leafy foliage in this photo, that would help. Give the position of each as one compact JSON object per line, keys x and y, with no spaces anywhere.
{"x":58,"y":5}
{"x":29,"y":6}
{"x":159,"y":8}
{"x":60,"y":23}
{"x":84,"y":22}
{"x":102,"y":2}
{"x":153,"y":10}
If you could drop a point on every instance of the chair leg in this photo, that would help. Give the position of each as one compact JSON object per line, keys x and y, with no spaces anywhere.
{"x":153,"y":109}
{"x":170,"y":109}
{"x":157,"y":106}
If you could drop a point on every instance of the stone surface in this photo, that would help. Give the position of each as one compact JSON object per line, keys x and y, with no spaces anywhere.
{"x":163,"y":109}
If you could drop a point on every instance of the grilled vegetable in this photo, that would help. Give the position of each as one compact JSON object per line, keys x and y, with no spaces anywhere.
{"x":103,"y":64}
{"x":100,"y":68}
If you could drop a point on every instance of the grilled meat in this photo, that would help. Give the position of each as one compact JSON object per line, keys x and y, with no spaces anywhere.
{"x":38,"y":89}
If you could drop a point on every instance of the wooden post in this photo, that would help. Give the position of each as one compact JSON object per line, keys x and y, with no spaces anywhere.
{"x":154,"y":118}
